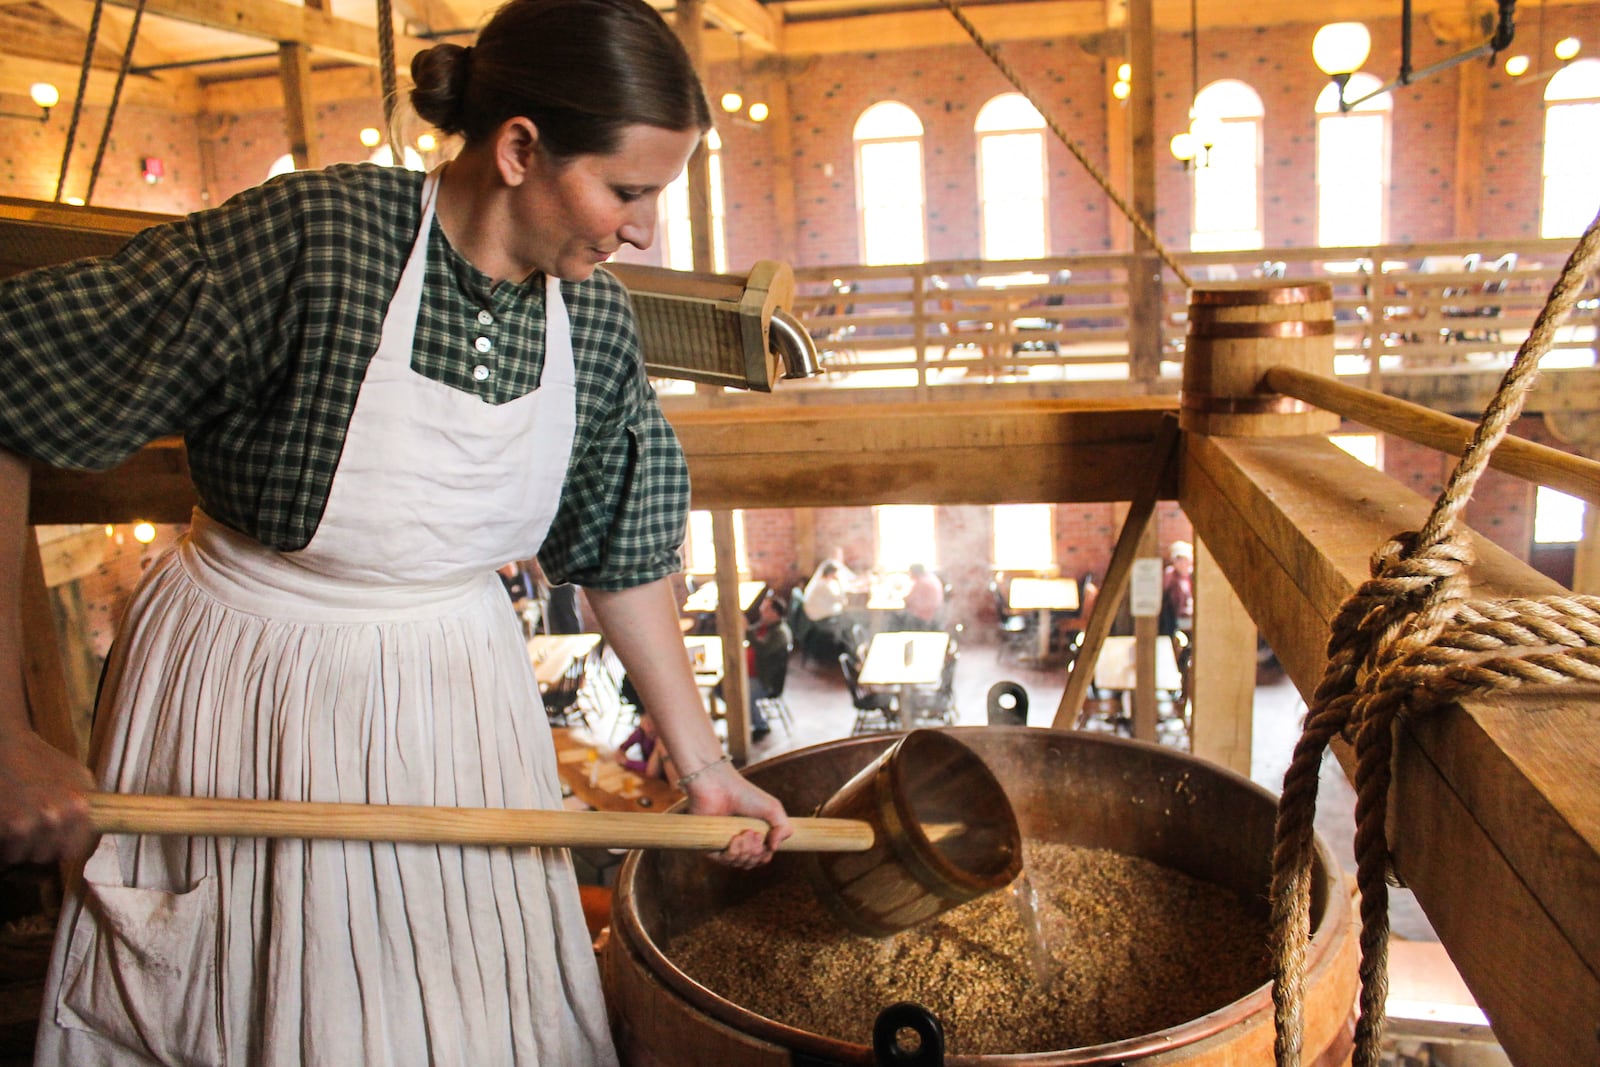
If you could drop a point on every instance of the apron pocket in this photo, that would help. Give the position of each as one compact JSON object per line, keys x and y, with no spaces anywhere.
{"x":140,"y":968}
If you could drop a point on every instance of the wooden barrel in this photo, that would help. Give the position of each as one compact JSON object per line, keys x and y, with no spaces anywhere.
{"x":944,"y":834}
{"x":1091,"y":790}
{"x":1235,"y":335}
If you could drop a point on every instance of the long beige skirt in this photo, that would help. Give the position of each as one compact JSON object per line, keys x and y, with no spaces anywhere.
{"x":243,"y":675}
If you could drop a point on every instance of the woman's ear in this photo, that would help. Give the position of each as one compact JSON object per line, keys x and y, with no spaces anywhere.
{"x":515,"y":144}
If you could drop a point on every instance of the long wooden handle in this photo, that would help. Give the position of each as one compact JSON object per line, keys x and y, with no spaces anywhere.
{"x":210,"y":817}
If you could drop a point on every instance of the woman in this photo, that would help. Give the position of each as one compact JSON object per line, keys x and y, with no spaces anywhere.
{"x":388,"y":385}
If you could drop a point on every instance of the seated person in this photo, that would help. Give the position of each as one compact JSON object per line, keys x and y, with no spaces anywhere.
{"x":768,"y":646}
{"x":1177,"y":590}
{"x":849,"y":580}
{"x":825,"y":606}
{"x":924,"y":600}
{"x":652,"y":760}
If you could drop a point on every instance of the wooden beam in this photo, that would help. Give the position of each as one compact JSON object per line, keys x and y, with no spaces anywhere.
{"x":730,"y":624}
{"x":44,"y":669}
{"x":173,"y":91}
{"x":758,"y":27}
{"x":244,"y":95}
{"x":284,"y":23}
{"x":1222,"y":678}
{"x":1500,"y":838}
{"x":934,"y":453}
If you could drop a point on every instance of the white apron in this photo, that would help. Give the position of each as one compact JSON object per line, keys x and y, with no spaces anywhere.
{"x":381,"y":664}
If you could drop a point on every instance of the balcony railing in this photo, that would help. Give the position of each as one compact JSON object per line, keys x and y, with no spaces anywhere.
{"x":1435,"y":308}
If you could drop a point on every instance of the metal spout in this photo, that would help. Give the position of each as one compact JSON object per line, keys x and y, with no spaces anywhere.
{"x":793,"y":344}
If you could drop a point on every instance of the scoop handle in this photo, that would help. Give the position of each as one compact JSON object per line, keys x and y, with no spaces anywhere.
{"x":213,"y":817}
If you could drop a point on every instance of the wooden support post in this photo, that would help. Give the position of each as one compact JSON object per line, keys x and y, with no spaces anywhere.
{"x":1145,"y":303}
{"x":730,"y":624}
{"x":1222,"y":681}
{"x":689,"y":24}
{"x":1145,"y":635}
{"x":299,"y":113}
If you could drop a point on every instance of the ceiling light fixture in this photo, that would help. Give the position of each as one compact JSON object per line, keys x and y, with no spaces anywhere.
{"x":44,"y":96}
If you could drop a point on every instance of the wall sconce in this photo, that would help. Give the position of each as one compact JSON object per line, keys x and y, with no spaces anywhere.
{"x":1340,"y":48}
{"x":427,"y":142}
{"x":1567,"y":49}
{"x":370,"y":137}
{"x":1123,"y":86}
{"x":44,"y":96}
{"x":733,"y":100}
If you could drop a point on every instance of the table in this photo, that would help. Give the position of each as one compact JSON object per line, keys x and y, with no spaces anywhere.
{"x":1115,"y":669}
{"x":610,"y":786}
{"x":1043,"y":595}
{"x":703,"y":600}
{"x":552,"y":655}
{"x":888,"y":593}
{"x":705,"y":656}
{"x":904,"y":657}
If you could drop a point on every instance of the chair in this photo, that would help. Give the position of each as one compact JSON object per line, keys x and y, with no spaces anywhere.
{"x":773,"y":706}
{"x":936,"y":707}
{"x":875,"y":712}
{"x":807,"y":638}
{"x":561,"y":699}
{"x":1015,"y":633}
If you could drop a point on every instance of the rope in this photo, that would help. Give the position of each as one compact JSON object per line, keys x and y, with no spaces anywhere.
{"x":83,"y":92}
{"x":1405,"y":643}
{"x":1144,"y":228}
{"x":116,"y":98}
{"x":388,"y":84}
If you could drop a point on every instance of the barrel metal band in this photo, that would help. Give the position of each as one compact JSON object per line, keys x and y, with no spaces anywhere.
{"x":1275,"y":404}
{"x":1227,"y":331}
{"x":1275,"y":294}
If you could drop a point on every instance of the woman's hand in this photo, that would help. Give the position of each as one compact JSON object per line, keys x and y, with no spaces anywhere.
{"x":722,"y":790}
{"x":44,"y":815}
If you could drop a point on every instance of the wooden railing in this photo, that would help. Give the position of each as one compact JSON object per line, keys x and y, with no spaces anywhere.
{"x":1437,"y":308}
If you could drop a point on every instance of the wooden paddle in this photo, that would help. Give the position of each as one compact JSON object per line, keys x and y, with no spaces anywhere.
{"x":116,"y":813}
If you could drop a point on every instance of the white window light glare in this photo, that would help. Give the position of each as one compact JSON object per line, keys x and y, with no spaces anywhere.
{"x":1341,"y":47}
{"x":1206,"y":131}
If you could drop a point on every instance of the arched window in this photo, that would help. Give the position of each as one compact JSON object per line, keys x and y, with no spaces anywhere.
{"x":1227,"y":186}
{"x":1011,"y":178}
{"x":1571,"y":150}
{"x":889,"y":197}
{"x":384,"y":157}
{"x":677,"y":241}
{"x":1352,"y":164}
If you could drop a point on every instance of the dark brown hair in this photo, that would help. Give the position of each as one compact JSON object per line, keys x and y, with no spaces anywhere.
{"x":581,"y":70}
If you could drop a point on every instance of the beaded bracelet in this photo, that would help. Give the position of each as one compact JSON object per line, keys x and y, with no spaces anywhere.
{"x":692,"y":775}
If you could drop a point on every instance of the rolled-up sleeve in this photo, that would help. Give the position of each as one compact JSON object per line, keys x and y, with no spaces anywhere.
{"x":625,"y":504}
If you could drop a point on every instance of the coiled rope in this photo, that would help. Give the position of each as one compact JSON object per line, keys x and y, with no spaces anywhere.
{"x":1405,"y":643}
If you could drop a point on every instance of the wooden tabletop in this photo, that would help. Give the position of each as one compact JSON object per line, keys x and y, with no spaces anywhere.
{"x":552,"y":654}
{"x":905,"y":657}
{"x":704,"y":600}
{"x":611,"y":787}
{"x":888,"y":593}
{"x":1115,"y":669}
{"x":1043,"y":594}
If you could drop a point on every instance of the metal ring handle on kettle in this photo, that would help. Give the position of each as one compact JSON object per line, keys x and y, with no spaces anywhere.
{"x":907,"y":1015}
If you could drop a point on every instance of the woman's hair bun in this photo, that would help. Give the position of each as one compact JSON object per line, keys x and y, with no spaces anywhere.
{"x":439,"y":75}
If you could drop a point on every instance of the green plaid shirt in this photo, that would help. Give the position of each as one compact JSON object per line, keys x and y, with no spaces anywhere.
{"x":247,"y":328}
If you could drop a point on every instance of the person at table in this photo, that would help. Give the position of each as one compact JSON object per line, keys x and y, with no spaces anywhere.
{"x":924,"y":600}
{"x":828,"y":608}
{"x":767,"y":649}
{"x":389,"y":384}
{"x":653,"y":761}
{"x":849,"y":580}
{"x":1177,"y":590}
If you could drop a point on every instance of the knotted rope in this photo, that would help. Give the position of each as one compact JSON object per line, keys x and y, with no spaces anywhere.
{"x":1405,"y":643}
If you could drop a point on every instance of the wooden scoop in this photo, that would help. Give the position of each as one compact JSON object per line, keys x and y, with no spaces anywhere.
{"x":116,"y":813}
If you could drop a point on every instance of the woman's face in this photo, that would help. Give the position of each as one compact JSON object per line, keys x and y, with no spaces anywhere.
{"x":579,"y":211}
